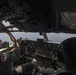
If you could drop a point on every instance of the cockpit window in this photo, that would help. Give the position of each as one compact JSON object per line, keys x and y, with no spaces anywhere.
{"x":5,"y":40}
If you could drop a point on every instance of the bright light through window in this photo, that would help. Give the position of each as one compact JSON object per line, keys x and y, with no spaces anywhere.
{"x":15,"y":28}
{"x":6,"y":23}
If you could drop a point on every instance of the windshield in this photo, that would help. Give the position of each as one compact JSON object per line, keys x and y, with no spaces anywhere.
{"x":5,"y":40}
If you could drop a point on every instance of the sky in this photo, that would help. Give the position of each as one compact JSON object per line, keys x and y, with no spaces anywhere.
{"x":53,"y":37}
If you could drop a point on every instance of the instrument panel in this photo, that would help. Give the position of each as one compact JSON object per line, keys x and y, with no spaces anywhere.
{"x":41,"y":51}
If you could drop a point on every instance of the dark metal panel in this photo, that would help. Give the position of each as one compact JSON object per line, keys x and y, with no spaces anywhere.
{"x":64,"y":5}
